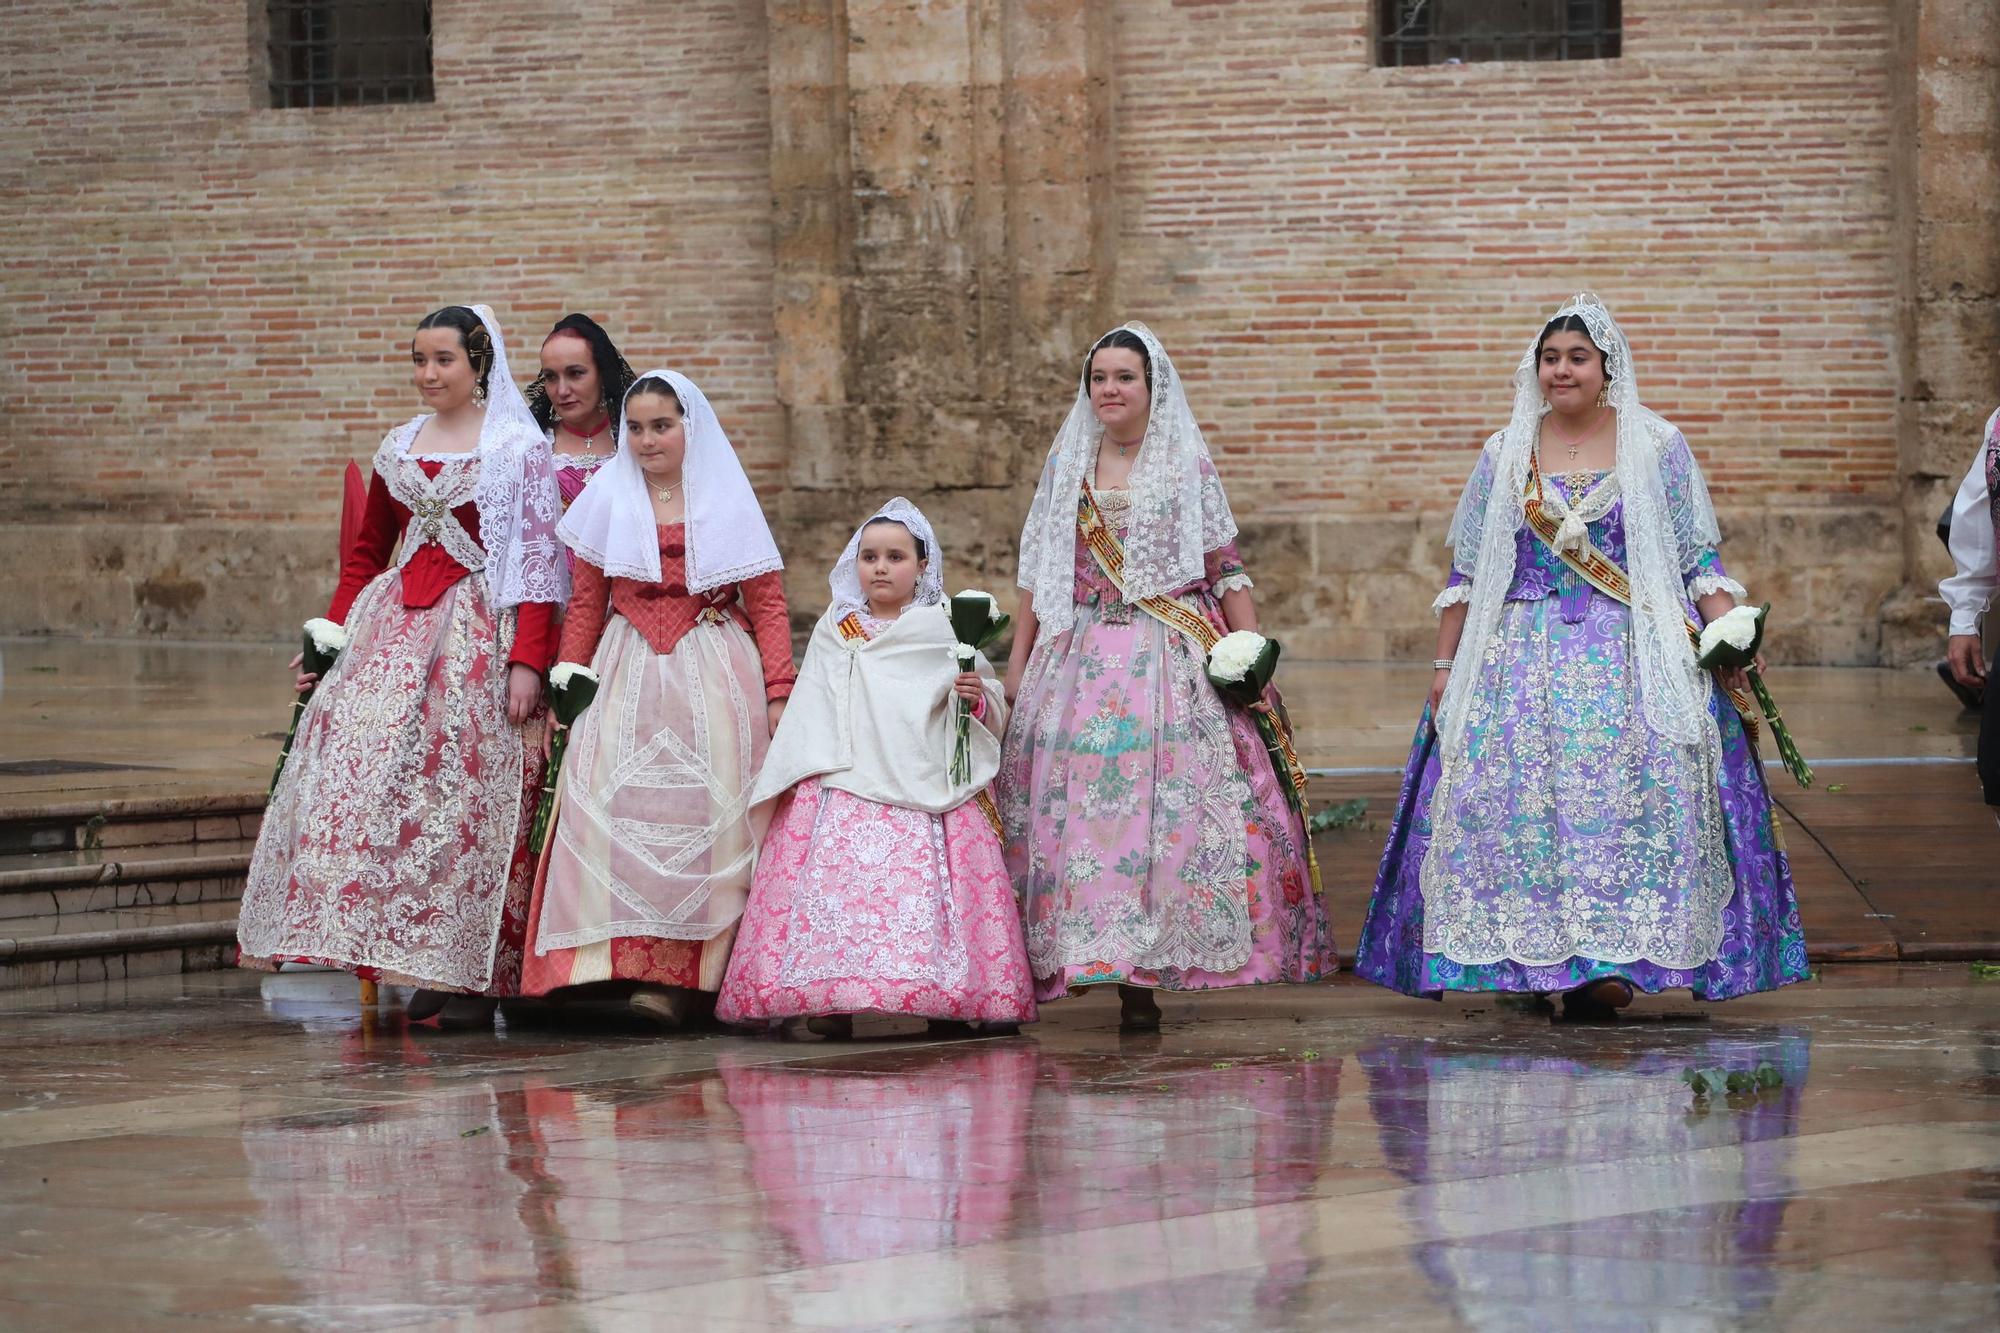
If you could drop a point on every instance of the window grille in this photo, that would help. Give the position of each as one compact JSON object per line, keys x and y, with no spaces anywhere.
{"x":1446,"y":32}
{"x":349,"y":52}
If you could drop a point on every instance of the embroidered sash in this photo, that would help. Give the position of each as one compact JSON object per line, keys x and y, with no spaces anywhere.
{"x":1601,"y":572}
{"x":851,"y":628}
{"x":1109,"y":553}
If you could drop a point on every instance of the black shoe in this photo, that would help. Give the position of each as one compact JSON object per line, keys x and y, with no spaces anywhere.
{"x":425,"y":1004}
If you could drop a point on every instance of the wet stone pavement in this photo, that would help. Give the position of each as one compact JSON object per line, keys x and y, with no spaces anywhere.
{"x":229,"y":1150}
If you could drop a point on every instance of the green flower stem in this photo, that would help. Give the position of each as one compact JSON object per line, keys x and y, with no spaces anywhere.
{"x":1267,"y":727}
{"x":1794,"y":762}
{"x":538,"y":832}
{"x":291,"y":733}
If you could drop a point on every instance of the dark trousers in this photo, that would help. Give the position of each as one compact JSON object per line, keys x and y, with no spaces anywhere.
{"x":1989,"y":747}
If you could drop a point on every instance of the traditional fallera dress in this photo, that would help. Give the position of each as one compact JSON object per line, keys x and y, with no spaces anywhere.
{"x":1567,"y":838}
{"x":881,"y":886}
{"x":649,"y":861}
{"x":1146,"y":826}
{"x":394,"y":843}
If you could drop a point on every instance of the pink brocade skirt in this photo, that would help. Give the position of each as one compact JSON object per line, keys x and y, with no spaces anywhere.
{"x":860,"y":907}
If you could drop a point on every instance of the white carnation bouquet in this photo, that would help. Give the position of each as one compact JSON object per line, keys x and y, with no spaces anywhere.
{"x":1731,"y":641}
{"x":976,"y":623}
{"x":324,"y":641}
{"x":1240,"y":666}
{"x":572,"y":687}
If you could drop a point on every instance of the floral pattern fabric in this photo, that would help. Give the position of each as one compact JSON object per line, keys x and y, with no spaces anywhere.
{"x":1144,"y":824}
{"x":860,"y":907}
{"x":1569,"y":842}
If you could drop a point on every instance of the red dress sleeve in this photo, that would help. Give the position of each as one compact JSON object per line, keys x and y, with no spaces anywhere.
{"x":381,"y":523}
{"x":771,"y":628}
{"x":589,"y":609}
{"x":535,"y":630}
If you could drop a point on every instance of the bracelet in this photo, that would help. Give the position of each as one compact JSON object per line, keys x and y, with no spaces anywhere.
{"x":1442,"y":664}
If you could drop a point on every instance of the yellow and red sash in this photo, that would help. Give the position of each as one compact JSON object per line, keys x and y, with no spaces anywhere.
{"x":1109,"y":553}
{"x":1601,"y":572}
{"x":851,"y":628}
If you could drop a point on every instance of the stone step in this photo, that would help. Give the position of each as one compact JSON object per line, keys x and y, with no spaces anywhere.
{"x":118,"y":889}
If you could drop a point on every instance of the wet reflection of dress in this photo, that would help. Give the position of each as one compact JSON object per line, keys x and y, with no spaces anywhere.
{"x":860,"y":1165}
{"x":1516,"y":1226}
{"x":1198,"y":1144}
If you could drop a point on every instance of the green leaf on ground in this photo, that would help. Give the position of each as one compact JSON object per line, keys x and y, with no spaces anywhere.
{"x":1344,"y":815}
{"x":1836,"y":786}
{"x":1986,"y":971}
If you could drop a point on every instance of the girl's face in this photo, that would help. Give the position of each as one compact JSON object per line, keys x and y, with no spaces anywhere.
{"x":1118,"y":391}
{"x":441,"y":370}
{"x":569,"y":376}
{"x":1572,"y":371}
{"x":659,"y":440}
{"x":887,"y":566}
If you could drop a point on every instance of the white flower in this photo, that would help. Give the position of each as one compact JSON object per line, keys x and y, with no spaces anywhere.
{"x":328,"y":637}
{"x":1234,"y":654}
{"x":963,"y":652}
{"x":992,"y":607}
{"x":1737,"y":628}
{"x":564,"y":672}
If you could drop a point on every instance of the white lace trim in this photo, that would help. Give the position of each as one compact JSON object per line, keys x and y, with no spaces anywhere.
{"x":1452,"y":596}
{"x":1231,"y":582}
{"x":1701,"y":585}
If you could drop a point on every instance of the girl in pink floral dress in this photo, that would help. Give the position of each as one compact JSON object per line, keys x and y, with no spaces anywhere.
{"x":1146,"y":827}
{"x":881,"y":887}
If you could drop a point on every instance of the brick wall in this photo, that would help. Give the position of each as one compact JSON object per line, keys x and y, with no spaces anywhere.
{"x":1348,"y":261}
{"x":208,"y":302}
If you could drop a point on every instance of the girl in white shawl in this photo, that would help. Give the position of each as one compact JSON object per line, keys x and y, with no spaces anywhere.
{"x":881,"y":886}
{"x":680,"y":610}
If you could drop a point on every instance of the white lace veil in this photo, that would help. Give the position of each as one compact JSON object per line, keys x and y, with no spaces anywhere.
{"x":1178,"y":510}
{"x":517,"y":495}
{"x":611,"y":523}
{"x":845,"y":581}
{"x":1673,"y":692}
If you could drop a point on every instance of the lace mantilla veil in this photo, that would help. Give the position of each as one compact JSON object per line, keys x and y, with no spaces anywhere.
{"x":728,"y":540}
{"x":1178,"y":510}
{"x":845,"y":582}
{"x":516,"y":490}
{"x":1673,"y":692}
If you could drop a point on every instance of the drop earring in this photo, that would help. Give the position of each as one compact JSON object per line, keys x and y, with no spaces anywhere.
{"x":479,"y":395}
{"x":1604,"y":394}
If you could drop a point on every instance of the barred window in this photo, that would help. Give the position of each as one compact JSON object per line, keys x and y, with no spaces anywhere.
{"x":1449,"y":32}
{"x":349,"y":52}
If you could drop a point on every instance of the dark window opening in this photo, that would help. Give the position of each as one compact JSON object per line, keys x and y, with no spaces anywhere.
{"x":349,"y":52}
{"x":1448,"y":32}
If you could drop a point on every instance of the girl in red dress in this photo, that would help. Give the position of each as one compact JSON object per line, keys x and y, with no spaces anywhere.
{"x":394,"y":843}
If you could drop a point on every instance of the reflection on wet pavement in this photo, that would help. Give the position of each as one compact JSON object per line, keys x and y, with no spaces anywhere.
{"x":235,"y":1151}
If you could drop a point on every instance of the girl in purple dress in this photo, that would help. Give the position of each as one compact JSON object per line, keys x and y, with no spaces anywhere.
{"x":1582,"y":810}
{"x":1145,"y":826}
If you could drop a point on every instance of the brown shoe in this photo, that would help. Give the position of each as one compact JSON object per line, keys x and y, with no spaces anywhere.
{"x":1597,"y":1002}
{"x":834,"y":1027}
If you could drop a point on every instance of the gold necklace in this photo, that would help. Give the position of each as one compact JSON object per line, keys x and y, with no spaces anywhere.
{"x":1573,"y":444}
{"x":665,"y":493}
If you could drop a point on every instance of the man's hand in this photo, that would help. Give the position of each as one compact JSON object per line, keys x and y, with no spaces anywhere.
{"x":1968,"y":663}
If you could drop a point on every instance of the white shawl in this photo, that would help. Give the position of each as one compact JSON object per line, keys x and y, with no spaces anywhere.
{"x":875,"y":717}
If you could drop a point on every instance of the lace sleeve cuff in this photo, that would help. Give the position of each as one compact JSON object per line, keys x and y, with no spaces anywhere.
{"x":1231,"y":582}
{"x":1452,"y":596}
{"x":1701,"y":585}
